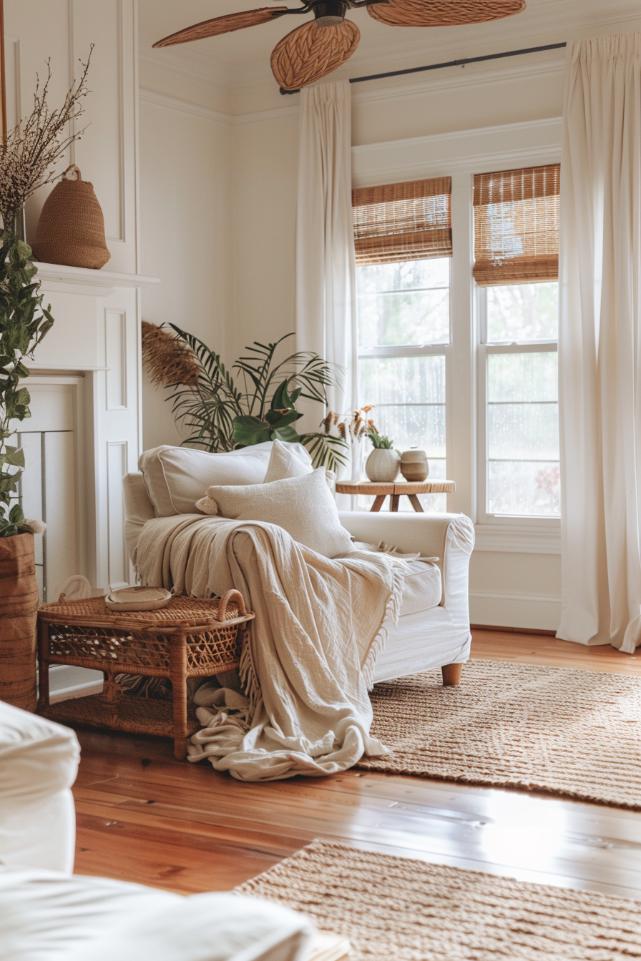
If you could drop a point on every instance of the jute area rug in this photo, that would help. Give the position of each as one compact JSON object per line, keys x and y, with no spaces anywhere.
{"x":398,"y":909}
{"x":568,"y":732}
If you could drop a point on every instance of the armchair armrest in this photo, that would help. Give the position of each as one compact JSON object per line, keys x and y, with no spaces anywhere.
{"x":450,"y":537}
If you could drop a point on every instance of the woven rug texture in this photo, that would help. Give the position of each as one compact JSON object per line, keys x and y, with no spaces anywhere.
{"x":568,"y":732}
{"x":409,"y":910}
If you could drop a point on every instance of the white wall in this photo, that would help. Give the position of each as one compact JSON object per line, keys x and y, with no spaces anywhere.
{"x":185,"y":237}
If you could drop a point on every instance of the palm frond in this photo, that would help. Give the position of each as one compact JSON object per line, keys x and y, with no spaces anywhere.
{"x":325,"y":450}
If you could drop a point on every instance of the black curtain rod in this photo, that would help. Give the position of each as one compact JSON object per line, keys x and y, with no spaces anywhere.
{"x":463,"y":62}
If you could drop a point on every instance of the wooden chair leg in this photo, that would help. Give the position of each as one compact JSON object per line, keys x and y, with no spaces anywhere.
{"x":451,"y":674}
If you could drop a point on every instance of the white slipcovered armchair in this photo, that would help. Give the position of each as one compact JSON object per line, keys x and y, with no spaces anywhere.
{"x":433,"y":630}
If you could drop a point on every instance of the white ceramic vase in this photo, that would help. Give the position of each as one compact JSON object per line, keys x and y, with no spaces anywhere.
{"x":382,"y":465}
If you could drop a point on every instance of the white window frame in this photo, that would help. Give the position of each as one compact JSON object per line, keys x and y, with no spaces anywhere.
{"x":523,"y":522}
{"x":461,"y":155}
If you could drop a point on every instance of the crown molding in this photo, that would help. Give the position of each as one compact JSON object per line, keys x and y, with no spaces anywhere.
{"x":186,"y":64}
{"x":167,"y":102}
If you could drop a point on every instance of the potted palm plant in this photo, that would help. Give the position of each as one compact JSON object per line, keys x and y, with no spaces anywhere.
{"x":254,"y":400}
{"x":28,"y":158}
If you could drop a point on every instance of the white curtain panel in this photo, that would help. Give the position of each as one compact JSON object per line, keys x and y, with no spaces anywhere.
{"x":600,"y":344}
{"x":324,"y":241}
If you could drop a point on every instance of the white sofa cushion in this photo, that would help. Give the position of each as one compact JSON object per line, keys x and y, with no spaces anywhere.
{"x":176,"y":477}
{"x":303,"y":506}
{"x":288,"y":460}
{"x":38,"y":765}
{"x":48,"y":917}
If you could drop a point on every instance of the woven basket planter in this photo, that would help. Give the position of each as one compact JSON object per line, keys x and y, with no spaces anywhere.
{"x":18,"y":609}
{"x":71,"y":229}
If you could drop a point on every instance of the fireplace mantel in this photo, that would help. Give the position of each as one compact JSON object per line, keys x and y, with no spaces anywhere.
{"x":59,"y":278}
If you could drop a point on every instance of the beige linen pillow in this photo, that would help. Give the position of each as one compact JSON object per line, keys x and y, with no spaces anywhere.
{"x":303,"y":506}
{"x":287,"y":460}
{"x":293,"y":460}
{"x":175,"y":477}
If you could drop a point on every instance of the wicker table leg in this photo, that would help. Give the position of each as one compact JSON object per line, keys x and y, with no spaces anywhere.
{"x":178,"y":669}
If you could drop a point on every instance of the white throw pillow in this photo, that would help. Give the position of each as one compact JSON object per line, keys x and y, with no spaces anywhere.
{"x":303,"y":506}
{"x":288,"y":460}
{"x":176,"y":477}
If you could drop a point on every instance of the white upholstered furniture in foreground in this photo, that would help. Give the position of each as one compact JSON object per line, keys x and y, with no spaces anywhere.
{"x":52,"y":917}
{"x":48,"y":915}
{"x":38,"y":765}
{"x":433,"y":629}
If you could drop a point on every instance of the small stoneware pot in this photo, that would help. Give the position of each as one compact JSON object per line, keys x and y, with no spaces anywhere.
{"x":414,"y":466}
{"x":382,"y":465}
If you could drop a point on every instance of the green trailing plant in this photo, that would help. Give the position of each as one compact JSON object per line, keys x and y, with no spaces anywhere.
{"x":253,"y":401}
{"x":380,"y":441}
{"x":24,"y":321}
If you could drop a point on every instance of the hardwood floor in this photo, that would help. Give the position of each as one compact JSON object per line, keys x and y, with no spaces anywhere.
{"x":142,"y":816}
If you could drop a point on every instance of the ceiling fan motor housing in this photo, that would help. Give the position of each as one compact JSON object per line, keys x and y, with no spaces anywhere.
{"x":329,"y":12}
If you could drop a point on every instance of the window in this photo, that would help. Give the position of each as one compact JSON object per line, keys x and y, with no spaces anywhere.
{"x":403,"y":241}
{"x":516,"y":266}
{"x":518,"y":379}
{"x":420,"y":350}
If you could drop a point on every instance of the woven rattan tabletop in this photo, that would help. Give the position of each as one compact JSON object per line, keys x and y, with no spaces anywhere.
{"x":180,"y":612}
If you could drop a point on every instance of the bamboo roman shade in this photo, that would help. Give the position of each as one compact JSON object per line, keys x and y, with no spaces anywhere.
{"x":406,"y":221}
{"x":516,"y":225}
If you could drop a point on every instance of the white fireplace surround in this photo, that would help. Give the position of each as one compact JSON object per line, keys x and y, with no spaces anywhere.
{"x":85,"y":432}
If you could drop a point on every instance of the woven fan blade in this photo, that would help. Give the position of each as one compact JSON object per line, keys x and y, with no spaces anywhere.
{"x":310,"y":52}
{"x":442,"y":13}
{"x":225,"y":24}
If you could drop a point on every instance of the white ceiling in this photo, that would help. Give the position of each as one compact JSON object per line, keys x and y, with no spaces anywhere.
{"x":242,"y":57}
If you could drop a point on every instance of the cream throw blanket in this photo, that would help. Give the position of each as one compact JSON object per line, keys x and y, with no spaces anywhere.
{"x":318,"y":630}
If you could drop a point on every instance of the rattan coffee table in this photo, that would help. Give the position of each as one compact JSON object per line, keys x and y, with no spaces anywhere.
{"x":189,"y":638}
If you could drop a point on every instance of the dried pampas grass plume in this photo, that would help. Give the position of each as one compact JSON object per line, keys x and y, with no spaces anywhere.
{"x":166,"y":359}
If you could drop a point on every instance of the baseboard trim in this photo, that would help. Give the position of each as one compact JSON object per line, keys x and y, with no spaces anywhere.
{"x":515,"y":611}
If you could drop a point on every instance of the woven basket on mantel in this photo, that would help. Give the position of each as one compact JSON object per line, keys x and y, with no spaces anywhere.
{"x":18,"y":610}
{"x":71,"y":229}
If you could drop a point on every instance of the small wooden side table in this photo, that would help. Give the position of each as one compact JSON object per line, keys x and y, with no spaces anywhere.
{"x":188,"y":638}
{"x":395,"y":490}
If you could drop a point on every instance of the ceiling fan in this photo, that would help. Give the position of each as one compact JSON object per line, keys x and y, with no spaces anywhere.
{"x":319,"y":46}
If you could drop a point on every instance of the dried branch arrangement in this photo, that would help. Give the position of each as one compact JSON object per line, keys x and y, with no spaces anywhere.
{"x":353,"y":426}
{"x":33,"y":149}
